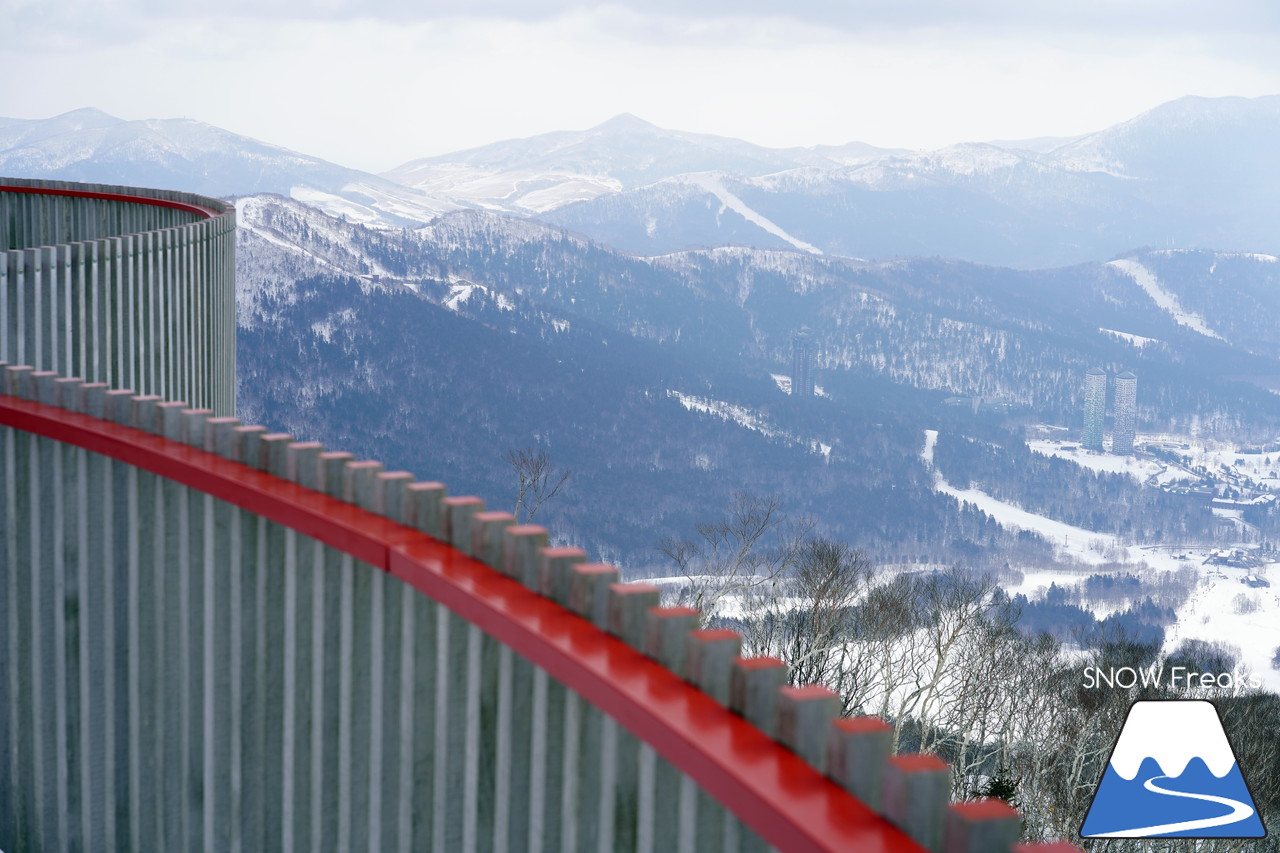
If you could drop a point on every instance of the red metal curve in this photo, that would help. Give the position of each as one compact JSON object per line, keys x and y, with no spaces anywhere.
{"x":199,"y":210}
{"x":775,"y":792}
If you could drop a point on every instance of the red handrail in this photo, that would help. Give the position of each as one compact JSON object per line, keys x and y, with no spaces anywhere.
{"x":771,"y":789}
{"x":199,"y":210}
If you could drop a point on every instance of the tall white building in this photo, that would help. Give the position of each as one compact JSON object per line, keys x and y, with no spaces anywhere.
{"x":1095,"y":407}
{"x":1126,"y":413}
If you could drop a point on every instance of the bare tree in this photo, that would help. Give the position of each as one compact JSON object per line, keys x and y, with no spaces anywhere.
{"x":806,"y":621}
{"x":536,"y":481}
{"x":745,"y":553}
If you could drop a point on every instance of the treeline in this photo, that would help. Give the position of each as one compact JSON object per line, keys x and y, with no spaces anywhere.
{"x":947,"y":657}
{"x":388,"y":375}
{"x":1062,"y":490}
{"x":1143,"y":621}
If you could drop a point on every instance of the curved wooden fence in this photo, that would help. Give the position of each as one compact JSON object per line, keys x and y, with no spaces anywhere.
{"x":217,"y":638}
{"x":131,"y":287}
{"x":222,"y":639}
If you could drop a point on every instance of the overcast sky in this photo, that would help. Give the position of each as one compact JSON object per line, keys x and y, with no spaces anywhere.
{"x":374,"y":83}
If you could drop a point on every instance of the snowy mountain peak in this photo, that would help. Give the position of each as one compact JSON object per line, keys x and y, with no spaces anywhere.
{"x":1191,"y":136}
{"x":1172,"y":733}
{"x":85,"y":118}
{"x":626,"y":123}
{"x":187,"y":154}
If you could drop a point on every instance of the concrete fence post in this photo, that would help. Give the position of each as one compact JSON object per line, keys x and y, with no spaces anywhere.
{"x":555,"y":571}
{"x":93,"y":399}
{"x":390,"y":490}
{"x":423,"y":507}
{"x":914,"y":796}
{"x":332,"y":463}
{"x":219,"y":436}
{"x":46,"y":387}
{"x":144,"y":414}
{"x":248,"y":445}
{"x":16,"y":377}
{"x":169,"y":419}
{"x":983,"y":826}
{"x":459,"y":519}
{"x":666,"y":635}
{"x":629,"y":605}
{"x":118,"y":406}
{"x":857,"y":751}
{"x":589,"y":592}
{"x":709,"y":660}
{"x":358,"y":478}
{"x":804,"y":716}
{"x":67,"y":392}
{"x":302,"y":463}
{"x":193,"y":426}
{"x":753,"y":690}
{"x":666,"y":639}
{"x":488,"y":537}
{"x":522,"y":552}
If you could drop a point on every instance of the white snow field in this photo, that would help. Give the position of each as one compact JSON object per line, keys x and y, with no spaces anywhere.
{"x":713,"y":183}
{"x":1165,"y":300}
{"x":1211,"y":613}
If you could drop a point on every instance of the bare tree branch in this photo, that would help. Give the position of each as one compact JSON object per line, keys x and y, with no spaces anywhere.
{"x":536,"y":481}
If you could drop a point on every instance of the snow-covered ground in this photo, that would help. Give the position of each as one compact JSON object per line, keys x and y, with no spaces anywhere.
{"x":784,"y":385}
{"x":1137,"y":468}
{"x":748,"y":418}
{"x":461,"y":290}
{"x":1071,"y":542}
{"x":1220,"y":458}
{"x":713,"y":183}
{"x":1212,"y":614}
{"x":1136,"y":340}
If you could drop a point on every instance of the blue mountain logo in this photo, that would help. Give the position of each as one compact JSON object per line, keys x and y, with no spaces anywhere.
{"x":1172,"y":774}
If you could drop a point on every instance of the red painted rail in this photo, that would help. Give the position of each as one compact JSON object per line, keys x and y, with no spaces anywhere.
{"x":199,"y":210}
{"x":771,"y":789}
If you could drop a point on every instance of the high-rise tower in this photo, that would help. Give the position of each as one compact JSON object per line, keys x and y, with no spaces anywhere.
{"x":1126,"y":413}
{"x":802,"y":363}
{"x":1095,"y":407}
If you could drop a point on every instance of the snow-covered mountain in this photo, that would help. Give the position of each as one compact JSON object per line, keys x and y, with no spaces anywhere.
{"x":394,"y":342}
{"x":545,"y":172}
{"x":1194,"y":173}
{"x":184,"y":154}
{"x":1190,"y":139}
{"x":973,"y":201}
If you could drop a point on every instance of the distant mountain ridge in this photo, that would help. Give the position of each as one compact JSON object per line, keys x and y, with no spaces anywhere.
{"x":1193,"y":173}
{"x":184,"y":154}
{"x":541,"y":173}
